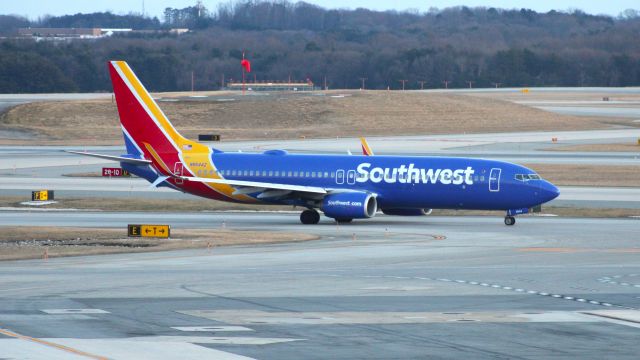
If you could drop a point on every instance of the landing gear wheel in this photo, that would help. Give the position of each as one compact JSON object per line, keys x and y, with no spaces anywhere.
{"x":509,"y":220}
{"x":308,"y":217}
{"x":344,"y":220}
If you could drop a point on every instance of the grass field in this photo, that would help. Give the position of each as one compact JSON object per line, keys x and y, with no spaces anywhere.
{"x":31,"y":242}
{"x":615,"y":147}
{"x":286,"y":116}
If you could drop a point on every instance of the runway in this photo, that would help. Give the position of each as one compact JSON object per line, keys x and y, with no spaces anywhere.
{"x":383,"y":288}
{"x":438,"y":287}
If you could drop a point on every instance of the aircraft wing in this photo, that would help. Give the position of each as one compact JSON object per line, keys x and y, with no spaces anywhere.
{"x":112,"y":158}
{"x":267,"y":189}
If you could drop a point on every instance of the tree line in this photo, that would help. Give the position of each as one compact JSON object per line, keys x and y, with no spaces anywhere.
{"x":459,"y":47}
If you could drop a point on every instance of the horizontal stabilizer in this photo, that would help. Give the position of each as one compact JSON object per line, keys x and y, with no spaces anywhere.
{"x":113,"y":158}
{"x":158,"y":181}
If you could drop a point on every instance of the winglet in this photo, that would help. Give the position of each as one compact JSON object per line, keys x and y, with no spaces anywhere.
{"x":366,"y":150}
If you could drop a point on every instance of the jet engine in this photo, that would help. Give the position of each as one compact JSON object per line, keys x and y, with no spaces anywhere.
{"x":350,"y":205}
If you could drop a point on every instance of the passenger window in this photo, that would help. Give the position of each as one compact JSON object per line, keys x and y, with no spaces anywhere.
{"x":481,"y":178}
{"x":306,"y":174}
{"x":233,"y":172}
{"x":277,"y":173}
{"x":289,"y":174}
{"x":333,"y":174}
{"x":264,"y":173}
{"x":313,"y":174}
{"x":326,"y":174}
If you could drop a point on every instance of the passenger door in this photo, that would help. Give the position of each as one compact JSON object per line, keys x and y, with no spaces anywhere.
{"x":494,"y":179}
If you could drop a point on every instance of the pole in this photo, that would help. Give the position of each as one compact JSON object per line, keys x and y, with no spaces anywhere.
{"x":403,"y":81}
{"x":192,"y":87}
{"x":243,"y":73}
{"x":325,"y":83}
{"x":446,"y":84}
{"x":363,"y":79}
{"x":222,"y":82}
{"x":422,"y":84}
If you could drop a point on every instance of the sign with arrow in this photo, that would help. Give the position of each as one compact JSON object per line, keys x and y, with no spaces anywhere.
{"x":153,"y":231}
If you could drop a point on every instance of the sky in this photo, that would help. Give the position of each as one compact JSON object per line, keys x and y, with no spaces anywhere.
{"x":32,"y":9}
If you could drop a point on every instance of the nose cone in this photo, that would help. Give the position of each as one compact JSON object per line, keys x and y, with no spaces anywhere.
{"x":548,"y":191}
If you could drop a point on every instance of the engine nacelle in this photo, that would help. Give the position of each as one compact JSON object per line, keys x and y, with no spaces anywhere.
{"x":407,"y":212}
{"x":350,"y":205}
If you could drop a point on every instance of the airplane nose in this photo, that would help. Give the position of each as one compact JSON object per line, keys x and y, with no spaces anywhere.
{"x":549,"y":191}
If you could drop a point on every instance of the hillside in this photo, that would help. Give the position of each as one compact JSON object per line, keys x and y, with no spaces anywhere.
{"x":484,"y":46}
{"x":286,"y":116}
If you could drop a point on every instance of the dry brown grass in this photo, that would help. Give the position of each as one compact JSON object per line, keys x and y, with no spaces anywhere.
{"x":588,"y":175}
{"x":31,"y":242}
{"x":283,"y":116}
{"x":142,"y":204}
{"x":618,"y":147}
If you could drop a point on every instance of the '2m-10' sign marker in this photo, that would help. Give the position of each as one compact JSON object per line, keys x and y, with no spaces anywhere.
{"x":115,"y":172}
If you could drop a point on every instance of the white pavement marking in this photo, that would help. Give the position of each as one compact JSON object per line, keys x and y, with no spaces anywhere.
{"x":509,"y":288}
{"x":168,"y":349}
{"x":236,"y":340}
{"x":381,"y":317}
{"x":212,"y":328}
{"x":74,"y":311}
{"x":21,"y":349}
{"x":622,"y":317}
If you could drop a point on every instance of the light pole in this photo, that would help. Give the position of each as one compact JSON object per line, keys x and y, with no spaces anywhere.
{"x":403,"y":82}
{"x":363,"y":79}
{"x":421,"y":82}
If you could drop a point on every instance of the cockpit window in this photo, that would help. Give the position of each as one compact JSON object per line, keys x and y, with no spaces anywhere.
{"x":527,"y":177}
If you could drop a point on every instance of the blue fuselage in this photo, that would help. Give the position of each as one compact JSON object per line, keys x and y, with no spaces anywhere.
{"x":397,"y":181}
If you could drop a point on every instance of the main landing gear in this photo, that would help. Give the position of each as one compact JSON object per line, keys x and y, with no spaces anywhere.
{"x":309,"y":217}
{"x":509,"y":220}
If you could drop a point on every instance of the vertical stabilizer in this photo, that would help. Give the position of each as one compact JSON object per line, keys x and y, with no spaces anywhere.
{"x":147,"y":130}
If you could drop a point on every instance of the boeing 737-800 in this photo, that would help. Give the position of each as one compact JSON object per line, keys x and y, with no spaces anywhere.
{"x":343,"y":187}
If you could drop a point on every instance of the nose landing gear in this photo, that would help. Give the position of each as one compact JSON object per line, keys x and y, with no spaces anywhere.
{"x":509,"y":220}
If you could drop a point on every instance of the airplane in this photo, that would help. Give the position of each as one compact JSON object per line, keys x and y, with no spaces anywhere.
{"x":343,"y":187}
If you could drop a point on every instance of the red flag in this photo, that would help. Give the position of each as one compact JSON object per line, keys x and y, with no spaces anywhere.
{"x":246,"y":65}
